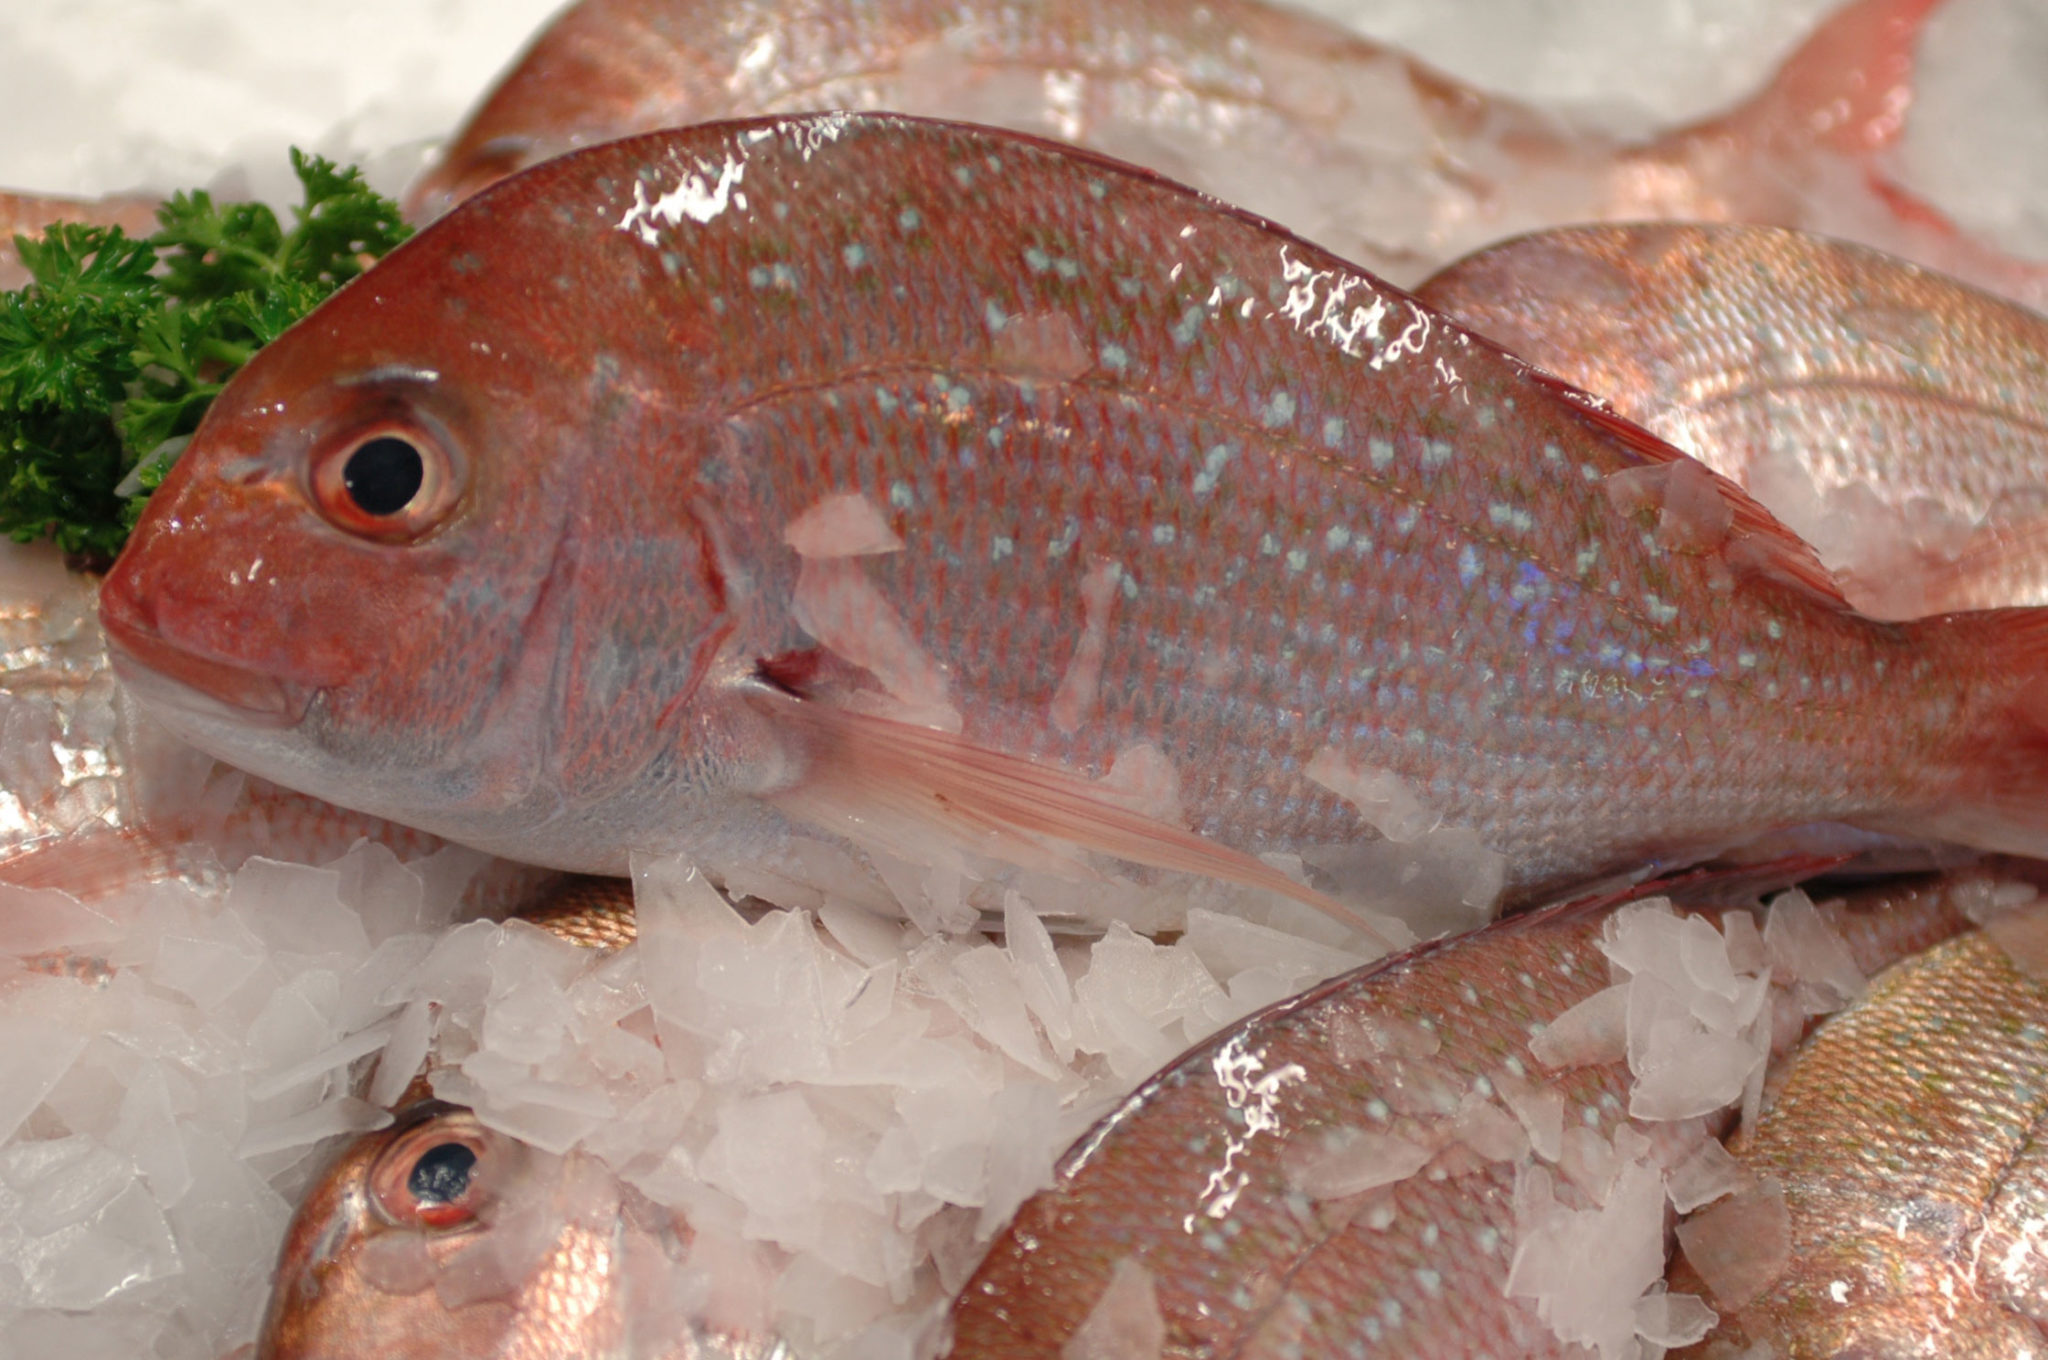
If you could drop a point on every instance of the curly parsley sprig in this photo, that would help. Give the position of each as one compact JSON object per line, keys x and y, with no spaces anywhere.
{"x":109,"y":357}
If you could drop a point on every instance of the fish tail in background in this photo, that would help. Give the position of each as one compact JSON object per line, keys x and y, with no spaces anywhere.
{"x":1848,"y":86}
{"x":1818,"y":136}
{"x":1999,"y":799}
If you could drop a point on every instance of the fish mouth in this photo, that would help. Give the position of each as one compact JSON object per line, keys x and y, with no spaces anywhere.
{"x":160,"y":671}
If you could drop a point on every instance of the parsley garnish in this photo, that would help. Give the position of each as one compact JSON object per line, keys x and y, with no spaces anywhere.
{"x":113,"y":352}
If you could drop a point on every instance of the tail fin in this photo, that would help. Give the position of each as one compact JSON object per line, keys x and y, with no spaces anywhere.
{"x":1997,"y":790}
{"x":1843,"y":96}
{"x":1848,"y":86}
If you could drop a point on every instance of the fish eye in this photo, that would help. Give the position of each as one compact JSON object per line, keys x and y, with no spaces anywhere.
{"x":382,"y":475}
{"x":433,"y":1175}
{"x":441,"y":1175}
{"x":393,"y":482}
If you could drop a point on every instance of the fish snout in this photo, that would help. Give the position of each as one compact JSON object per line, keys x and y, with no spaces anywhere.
{"x":153,"y":642}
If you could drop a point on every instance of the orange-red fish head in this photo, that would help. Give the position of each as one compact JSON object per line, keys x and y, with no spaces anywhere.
{"x":357,"y":1273}
{"x":366,"y":575}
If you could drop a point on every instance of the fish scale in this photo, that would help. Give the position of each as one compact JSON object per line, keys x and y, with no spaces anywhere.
{"x":1907,"y":1135}
{"x":1412,"y":553}
{"x":1418,"y":1266}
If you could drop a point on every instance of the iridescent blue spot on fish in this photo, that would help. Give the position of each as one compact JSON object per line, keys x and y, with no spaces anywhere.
{"x":1333,"y":431}
{"x":1212,"y":469}
{"x":1469,"y":565}
{"x":1162,"y":533}
{"x":1279,"y":409}
{"x":1188,"y":327}
{"x":963,"y":175}
{"x":1001,"y":546}
{"x":1036,"y":260}
{"x":1113,"y":357}
{"x":1336,"y":537}
{"x":901,"y":496}
{"x":908,"y":220}
{"x":1060,"y":546}
{"x":758,"y":276}
{"x":1381,"y":451}
{"x":1435,"y":453}
{"x":853,"y":254}
{"x":1130,"y":288}
{"x":1297,"y":560}
{"x":992,"y":312}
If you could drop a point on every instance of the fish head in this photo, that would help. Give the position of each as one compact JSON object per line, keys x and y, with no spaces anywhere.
{"x":365,"y":575}
{"x":440,"y":1237}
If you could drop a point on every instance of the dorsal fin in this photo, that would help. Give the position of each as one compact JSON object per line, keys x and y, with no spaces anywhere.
{"x":1759,"y":540}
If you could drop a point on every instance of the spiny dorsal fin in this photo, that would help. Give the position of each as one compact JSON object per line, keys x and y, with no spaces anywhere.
{"x":1758,"y":540}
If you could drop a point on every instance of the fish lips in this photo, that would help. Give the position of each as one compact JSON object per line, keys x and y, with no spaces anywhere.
{"x":159,"y":671}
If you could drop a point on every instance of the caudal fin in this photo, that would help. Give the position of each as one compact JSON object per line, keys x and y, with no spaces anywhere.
{"x":1807,"y":147}
{"x":1848,"y":86}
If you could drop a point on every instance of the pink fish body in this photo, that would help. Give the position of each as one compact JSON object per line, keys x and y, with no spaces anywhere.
{"x":1897,"y":419}
{"x":1392,"y":164}
{"x":858,"y":476}
{"x":1355,"y":1170}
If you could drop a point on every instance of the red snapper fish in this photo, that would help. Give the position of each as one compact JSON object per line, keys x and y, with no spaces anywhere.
{"x":441,"y":1238}
{"x":1392,"y":164}
{"x":1893,"y":1193}
{"x":1430,"y":1156}
{"x":730,"y":489}
{"x":1897,"y":419}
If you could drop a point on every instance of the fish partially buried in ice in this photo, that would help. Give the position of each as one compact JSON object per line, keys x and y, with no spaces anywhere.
{"x":1897,"y":419}
{"x":1892,"y":1197}
{"x":869,"y":477}
{"x":1390,"y":163}
{"x":440,"y":1238}
{"x":1442,"y":1154}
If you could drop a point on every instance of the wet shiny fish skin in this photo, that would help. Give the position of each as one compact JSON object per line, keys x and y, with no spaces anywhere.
{"x":1906,"y":1133}
{"x":1416,"y":1269}
{"x":1386,"y":161}
{"x":1234,"y":432}
{"x":97,"y":800}
{"x":1896,"y":419}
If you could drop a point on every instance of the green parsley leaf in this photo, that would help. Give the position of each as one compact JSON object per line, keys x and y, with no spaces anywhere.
{"x":112,"y":353}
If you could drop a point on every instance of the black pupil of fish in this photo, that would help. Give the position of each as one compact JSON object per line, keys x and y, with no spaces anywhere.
{"x":383,"y":475}
{"x":441,"y":1175}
